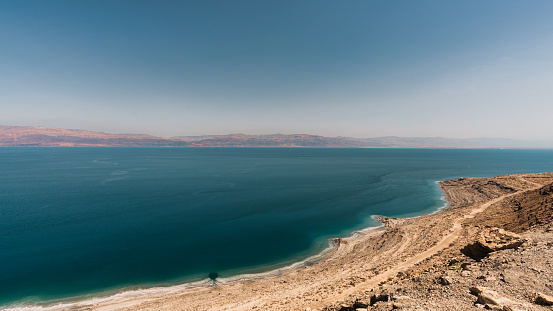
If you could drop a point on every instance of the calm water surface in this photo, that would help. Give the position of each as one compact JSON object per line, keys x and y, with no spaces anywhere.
{"x":77,"y":221}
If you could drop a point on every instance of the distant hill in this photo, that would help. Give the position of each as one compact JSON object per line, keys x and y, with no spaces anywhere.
{"x":52,"y":137}
{"x":58,"y":137}
{"x":443,"y":142}
{"x":275,"y":140}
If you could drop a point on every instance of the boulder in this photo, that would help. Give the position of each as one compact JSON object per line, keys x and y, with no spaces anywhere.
{"x":496,"y":239}
{"x":492,"y":240}
{"x":494,"y":301}
{"x":543,"y":299}
{"x":486,"y":296}
{"x":444,"y":280}
{"x":465,"y":273}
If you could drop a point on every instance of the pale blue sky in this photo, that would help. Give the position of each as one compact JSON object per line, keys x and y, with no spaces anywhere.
{"x":334,"y":68}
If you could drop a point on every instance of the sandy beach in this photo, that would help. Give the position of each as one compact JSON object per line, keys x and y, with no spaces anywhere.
{"x":386,"y":268}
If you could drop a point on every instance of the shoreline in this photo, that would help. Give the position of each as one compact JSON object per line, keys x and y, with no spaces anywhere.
{"x":397,"y":251}
{"x":120,"y":295}
{"x":77,"y":302}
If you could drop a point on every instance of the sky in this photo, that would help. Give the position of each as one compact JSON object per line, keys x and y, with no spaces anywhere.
{"x":356,"y":68}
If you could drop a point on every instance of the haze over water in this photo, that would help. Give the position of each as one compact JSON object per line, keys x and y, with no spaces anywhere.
{"x":77,"y":221}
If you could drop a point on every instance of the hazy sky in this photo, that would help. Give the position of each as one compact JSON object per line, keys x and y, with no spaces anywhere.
{"x":336,"y":68}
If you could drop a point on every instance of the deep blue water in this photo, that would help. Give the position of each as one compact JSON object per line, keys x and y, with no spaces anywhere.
{"x":76,"y":221}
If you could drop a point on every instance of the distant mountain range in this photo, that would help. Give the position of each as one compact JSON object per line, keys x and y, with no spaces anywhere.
{"x":58,"y":137}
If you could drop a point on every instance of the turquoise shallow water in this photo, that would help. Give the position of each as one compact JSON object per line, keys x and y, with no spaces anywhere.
{"x":78,"y":221}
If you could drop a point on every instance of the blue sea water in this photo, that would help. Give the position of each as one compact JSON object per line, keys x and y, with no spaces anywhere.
{"x":82,"y":221}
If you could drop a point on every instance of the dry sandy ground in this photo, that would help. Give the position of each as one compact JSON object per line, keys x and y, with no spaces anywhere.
{"x":423,"y":263}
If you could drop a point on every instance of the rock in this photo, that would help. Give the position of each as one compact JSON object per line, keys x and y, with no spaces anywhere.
{"x":493,"y":300}
{"x":475,"y":251}
{"x":444,"y":280}
{"x":489,"y":297}
{"x":496,"y":239}
{"x":382,"y":297}
{"x":492,"y":240}
{"x":465,"y":273}
{"x":363,"y":302}
{"x":486,"y":296}
{"x":544,"y":299}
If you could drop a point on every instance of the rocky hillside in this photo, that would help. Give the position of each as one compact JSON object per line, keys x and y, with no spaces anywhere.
{"x":56,"y":137}
{"x":41,"y":136}
{"x":52,"y":137}
{"x":275,"y":140}
{"x":502,"y":261}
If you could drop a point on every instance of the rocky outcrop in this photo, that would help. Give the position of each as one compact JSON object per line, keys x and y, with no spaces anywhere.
{"x":492,"y":240}
{"x":496,"y":239}
{"x":493,"y":300}
{"x":544,"y":299}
